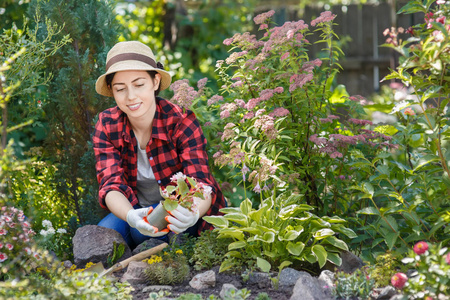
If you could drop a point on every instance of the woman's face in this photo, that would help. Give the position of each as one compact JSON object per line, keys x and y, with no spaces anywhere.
{"x":134,"y":92}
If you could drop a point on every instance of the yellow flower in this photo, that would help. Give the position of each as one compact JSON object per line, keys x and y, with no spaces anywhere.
{"x":179,"y":252}
{"x":153,"y":259}
{"x":89,"y":264}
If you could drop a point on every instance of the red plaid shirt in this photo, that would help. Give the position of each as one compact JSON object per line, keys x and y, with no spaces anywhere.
{"x":177,"y":145}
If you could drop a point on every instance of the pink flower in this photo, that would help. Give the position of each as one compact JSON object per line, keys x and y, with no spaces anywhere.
{"x":3,"y":231}
{"x":324,"y":17}
{"x":228,"y":41}
{"x":214,"y":99}
{"x":257,"y":188}
{"x":279,"y":112}
{"x":224,"y":114}
{"x":278,"y":90}
{"x":3,"y":257}
{"x":409,"y":111}
{"x":178,"y":176}
{"x":399,"y":280}
{"x":263,"y":26}
{"x":261,"y":18}
{"x":420,"y":248}
{"x":284,"y":56}
{"x":447,"y":258}
{"x":9,"y":246}
{"x":201,"y":83}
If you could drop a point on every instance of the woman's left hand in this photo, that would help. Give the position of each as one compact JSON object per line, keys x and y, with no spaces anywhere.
{"x":182,"y":218}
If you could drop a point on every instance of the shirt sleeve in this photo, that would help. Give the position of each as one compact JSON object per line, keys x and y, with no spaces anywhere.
{"x":110,"y":174}
{"x":191,"y":144}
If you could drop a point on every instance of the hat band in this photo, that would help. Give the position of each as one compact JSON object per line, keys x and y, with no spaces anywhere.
{"x":130,"y":56}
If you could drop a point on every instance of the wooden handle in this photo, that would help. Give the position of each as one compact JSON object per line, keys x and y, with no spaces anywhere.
{"x":140,"y":256}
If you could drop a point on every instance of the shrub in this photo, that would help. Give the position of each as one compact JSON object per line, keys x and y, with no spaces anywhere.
{"x":431,"y":276}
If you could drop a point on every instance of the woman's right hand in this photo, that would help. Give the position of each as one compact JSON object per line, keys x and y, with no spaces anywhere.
{"x":135,"y":218}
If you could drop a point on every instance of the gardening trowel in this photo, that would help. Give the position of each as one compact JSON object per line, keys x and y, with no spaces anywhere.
{"x":99,"y":268}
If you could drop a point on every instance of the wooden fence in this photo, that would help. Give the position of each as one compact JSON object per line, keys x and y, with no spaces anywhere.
{"x":365,"y":62}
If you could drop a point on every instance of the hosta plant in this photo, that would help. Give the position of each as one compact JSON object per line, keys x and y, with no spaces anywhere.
{"x":280,"y":232}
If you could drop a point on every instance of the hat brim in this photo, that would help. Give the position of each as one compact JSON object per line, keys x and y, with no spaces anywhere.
{"x":130,"y":65}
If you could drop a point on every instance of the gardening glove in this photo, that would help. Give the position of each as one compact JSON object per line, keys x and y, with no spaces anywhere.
{"x":182,"y":218}
{"x":135,"y":218}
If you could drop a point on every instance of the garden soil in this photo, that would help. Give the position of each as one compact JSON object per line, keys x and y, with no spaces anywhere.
{"x":221,"y":279}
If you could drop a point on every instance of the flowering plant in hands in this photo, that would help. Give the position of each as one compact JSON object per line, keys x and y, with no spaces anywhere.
{"x":183,"y":192}
{"x":431,"y":276}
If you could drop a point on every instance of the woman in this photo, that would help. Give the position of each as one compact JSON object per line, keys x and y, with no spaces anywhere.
{"x":143,"y":141}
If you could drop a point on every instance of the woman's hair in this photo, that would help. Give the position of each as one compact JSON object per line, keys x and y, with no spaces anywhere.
{"x":109,"y":79}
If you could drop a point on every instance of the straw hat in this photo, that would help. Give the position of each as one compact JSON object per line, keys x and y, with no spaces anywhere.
{"x":130,"y":55}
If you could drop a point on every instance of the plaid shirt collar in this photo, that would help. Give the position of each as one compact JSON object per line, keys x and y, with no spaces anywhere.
{"x":158,"y":131}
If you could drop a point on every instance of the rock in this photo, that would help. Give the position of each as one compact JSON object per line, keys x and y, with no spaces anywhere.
{"x":288,"y":278}
{"x":67,"y":264}
{"x":260,"y":279}
{"x":308,"y":288}
{"x":326,"y":278}
{"x":226,"y":288}
{"x":147,"y":244}
{"x":135,"y":273}
{"x":203,"y":280}
{"x":93,"y":243}
{"x":350,"y":262}
{"x":385,"y":293}
{"x":156,"y":288}
{"x":326,"y":281}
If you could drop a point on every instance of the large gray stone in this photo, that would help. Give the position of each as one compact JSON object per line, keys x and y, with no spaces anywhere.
{"x":288,"y":278}
{"x":350,"y":262}
{"x":93,"y":243}
{"x":203,"y":280}
{"x":135,"y":273}
{"x":308,"y":288}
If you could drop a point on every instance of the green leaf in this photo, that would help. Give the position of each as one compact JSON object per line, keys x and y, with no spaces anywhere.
{"x":323,"y":233}
{"x":170,"y":204}
{"x":237,"y":245}
{"x":246,"y":206}
{"x":268,"y":237}
{"x":337,"y":242}
{"x":231,"y":232}
{"x":290,"y":235}
{"x":226,"y":265}
{"x":368,"y":211}
{"x":295,"y":248}
{"x":347,"y":231}
{"x":320,"y":253}
{"x":263,"y":264}
{"x":237,"y":217}
{"x":425,"y":160}
{"x":182,"y":186}
{"x":230,"y":210}
{"x":334,"y":258}
{"x":284,"y":264}
{"x":391,"y":238}
{"x":170,"y":189}
{"x":218,"y":221}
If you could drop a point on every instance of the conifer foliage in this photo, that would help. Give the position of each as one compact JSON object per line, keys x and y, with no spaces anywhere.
{"x":72,"y":103}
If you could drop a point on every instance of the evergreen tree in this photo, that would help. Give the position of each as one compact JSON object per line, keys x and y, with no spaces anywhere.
{"x":72,"y":103}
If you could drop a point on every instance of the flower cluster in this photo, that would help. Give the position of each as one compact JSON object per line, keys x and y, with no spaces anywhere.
{"x":431,"y":276}
{"x":184,"y":94}
{"x":16,"y":235}
{"x":183,"y":190}
{"x":153,"y":259}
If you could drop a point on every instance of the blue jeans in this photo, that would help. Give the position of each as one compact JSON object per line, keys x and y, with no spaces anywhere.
{"x":131,"y":235}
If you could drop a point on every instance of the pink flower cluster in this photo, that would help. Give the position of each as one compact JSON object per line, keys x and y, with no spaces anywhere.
{"x":214,"y":99}
{"x":262,"y":174}
{"x":267,"y":125}
{"x":261,"y":18}
{"x":184,"y":94}
{"x":281,"y":35}
{"x":324,"y":17}
{"x":17,"y":234}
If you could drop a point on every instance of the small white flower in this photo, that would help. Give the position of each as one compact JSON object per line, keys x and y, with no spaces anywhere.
{"x":61,"y":230}
{"x":43,"y":232}
{"x":47,"y":223}
{"x":177,"y":176}
{"x":51,"y":231}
